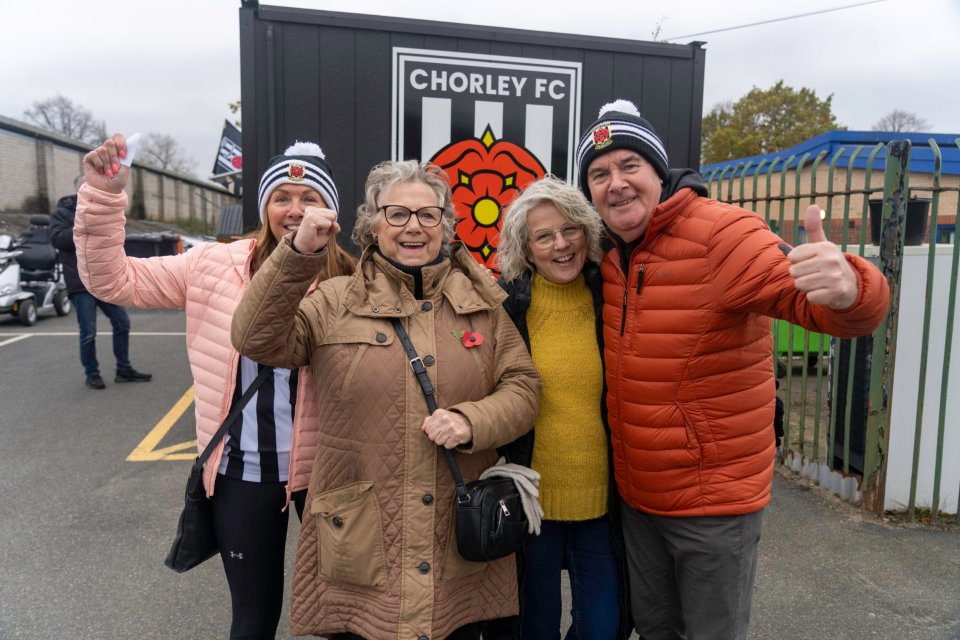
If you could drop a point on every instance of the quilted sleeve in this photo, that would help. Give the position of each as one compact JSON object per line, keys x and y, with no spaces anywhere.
{"x":273,"y":324}
{"x":750,"y":269}
{"x":108,"y":273}
{"x":511,"y":410}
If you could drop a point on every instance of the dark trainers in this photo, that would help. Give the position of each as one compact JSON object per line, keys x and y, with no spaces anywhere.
{"x":132,"y":375}
{"x":94,"y":381}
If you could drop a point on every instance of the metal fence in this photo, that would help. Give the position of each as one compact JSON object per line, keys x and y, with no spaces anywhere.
{"x":838,"y":393}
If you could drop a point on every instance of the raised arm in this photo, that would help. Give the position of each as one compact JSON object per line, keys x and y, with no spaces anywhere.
{"x":813,"y":285}
{"x":273,"y":324}
{"x":98,"y":233}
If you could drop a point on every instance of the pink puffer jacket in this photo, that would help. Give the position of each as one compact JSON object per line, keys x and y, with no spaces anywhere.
{"x":208,"y":282}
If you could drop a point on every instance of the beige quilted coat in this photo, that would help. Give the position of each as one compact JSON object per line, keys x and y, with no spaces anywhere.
{"x":376,"y":555}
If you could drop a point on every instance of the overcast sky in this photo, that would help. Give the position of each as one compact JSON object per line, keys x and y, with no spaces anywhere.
{"x":173,"y":66}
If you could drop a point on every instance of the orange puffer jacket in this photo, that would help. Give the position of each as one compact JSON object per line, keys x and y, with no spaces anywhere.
{"x":688,"y":350}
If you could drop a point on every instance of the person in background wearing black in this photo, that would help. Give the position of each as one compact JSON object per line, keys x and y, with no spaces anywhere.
{"x":61,"y":236}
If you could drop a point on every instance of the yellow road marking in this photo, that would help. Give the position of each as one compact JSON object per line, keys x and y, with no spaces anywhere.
{"x":146,"y":451}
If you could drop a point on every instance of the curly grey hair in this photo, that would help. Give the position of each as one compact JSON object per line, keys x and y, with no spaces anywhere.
{"x":385,"y":175}
{"x":569,"y":201}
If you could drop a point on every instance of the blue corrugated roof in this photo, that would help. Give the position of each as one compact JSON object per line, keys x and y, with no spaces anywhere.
{"x":921,"y":154}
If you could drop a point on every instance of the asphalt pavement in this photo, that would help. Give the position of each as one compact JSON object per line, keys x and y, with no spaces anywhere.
{"x":84,"y":527}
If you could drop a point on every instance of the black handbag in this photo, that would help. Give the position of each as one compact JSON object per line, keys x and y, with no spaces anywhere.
{"x":196,"y":540}
{"x":489,"y":518}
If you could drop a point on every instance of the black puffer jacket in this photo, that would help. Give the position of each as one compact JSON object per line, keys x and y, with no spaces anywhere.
{"x":520,"y":451}
{"x":61,"y":237}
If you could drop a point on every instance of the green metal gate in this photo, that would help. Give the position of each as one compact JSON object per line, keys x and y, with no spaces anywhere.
{"x":820,"y":398}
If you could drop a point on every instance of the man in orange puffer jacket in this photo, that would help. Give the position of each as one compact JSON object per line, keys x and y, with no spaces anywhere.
{"x":689,"y":285}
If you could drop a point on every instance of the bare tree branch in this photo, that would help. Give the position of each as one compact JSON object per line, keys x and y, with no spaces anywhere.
{"x":163,"y":151}
{"x":235,"y":107}
{"x":61,"y":115}
{"x":898,"y":120}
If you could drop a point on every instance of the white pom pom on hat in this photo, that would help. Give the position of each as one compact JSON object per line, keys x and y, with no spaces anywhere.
{"x":620,"y":126}
{"x":302,"y":163}
{"x":306,"y":149}
{"x":620,"y":105}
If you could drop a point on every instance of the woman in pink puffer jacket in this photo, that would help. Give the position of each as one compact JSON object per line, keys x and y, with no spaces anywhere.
{"x":266,"y":457}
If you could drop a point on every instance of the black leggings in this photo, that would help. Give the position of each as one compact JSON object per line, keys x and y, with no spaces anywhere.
{"x":252,"y":535}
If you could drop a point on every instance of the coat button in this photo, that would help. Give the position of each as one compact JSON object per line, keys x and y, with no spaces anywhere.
{"x":423,"y":638}
{"x":376,"y":309}
{"x":381,"y":337}
{"x":426,"y":306}
{"x":428,"y":360}
{"x":424,"y":567}
{"x":337,"y":521}
{"x":427,"y":499}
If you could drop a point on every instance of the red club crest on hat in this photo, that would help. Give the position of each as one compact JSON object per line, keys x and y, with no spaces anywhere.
{"x":602,"y":136}
{"x":296,"y":172}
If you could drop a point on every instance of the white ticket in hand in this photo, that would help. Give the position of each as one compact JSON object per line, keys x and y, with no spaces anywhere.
{"x":133,"y":142}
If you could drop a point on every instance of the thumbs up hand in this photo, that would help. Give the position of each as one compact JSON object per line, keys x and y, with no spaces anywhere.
{"x":819,"y":269}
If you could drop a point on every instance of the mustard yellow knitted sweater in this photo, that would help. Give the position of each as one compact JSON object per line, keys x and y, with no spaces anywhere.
{"x":570,"y":445}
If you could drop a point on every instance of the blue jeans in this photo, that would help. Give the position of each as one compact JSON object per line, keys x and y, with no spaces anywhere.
{"x":584,"y":548}
{"x":86,"y":306}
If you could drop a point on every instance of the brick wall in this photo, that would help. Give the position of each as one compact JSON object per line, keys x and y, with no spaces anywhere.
{"x":18,"y":171}
{"x":38,"y":167}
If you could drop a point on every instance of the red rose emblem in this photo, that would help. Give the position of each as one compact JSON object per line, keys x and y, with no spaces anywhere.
{"x":296,"y":172}
{"x":485,"y":175}
{"x":237,"y":162}
{"x":601,"y":135}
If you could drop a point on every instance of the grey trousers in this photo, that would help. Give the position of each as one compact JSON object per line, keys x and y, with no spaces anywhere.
{"x":691,"y":578}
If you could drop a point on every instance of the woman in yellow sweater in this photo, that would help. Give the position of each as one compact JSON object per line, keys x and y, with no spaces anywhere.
{"x":549,"y":250}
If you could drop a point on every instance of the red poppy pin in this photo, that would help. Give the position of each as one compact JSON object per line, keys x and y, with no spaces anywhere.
{"x":295,"y":172}
{"x":468,"y":338}
{"x":602,"y":136}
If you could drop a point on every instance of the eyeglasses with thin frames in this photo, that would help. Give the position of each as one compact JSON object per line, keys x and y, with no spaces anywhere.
{"x":398,"y":216}
{"x":545,"y":238}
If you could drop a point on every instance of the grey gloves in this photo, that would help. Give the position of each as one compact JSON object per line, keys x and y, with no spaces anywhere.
{"x":527,"y":481}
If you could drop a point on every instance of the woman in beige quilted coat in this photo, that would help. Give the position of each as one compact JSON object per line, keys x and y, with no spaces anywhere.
{"x":377,"y":558}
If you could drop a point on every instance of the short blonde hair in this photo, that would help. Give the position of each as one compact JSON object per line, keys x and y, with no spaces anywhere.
{"x":385,"y":175}
{"x":569,"y":201}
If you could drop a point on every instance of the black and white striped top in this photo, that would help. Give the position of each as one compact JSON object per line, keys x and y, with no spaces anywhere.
{"x":258,"y":444}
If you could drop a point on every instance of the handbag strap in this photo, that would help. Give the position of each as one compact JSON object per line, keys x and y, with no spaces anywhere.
{"x":420,"y":371}
{"x":264,"y":373}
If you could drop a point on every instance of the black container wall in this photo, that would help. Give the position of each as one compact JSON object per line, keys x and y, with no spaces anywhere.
{"x":328,"y":77}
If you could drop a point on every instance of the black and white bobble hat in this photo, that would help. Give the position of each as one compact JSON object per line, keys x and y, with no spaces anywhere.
{"x":620,"y":126}
{"x":302,"y":163}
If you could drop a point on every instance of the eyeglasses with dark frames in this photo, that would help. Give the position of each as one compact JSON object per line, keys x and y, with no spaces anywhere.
{"x":545,"y":238}
{"x":398,"y":216}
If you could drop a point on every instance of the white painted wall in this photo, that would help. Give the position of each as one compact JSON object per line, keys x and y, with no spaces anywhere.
{"x":906,"y":384}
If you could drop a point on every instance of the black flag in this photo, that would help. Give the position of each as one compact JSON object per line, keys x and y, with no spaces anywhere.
{"x":227,"y":170}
